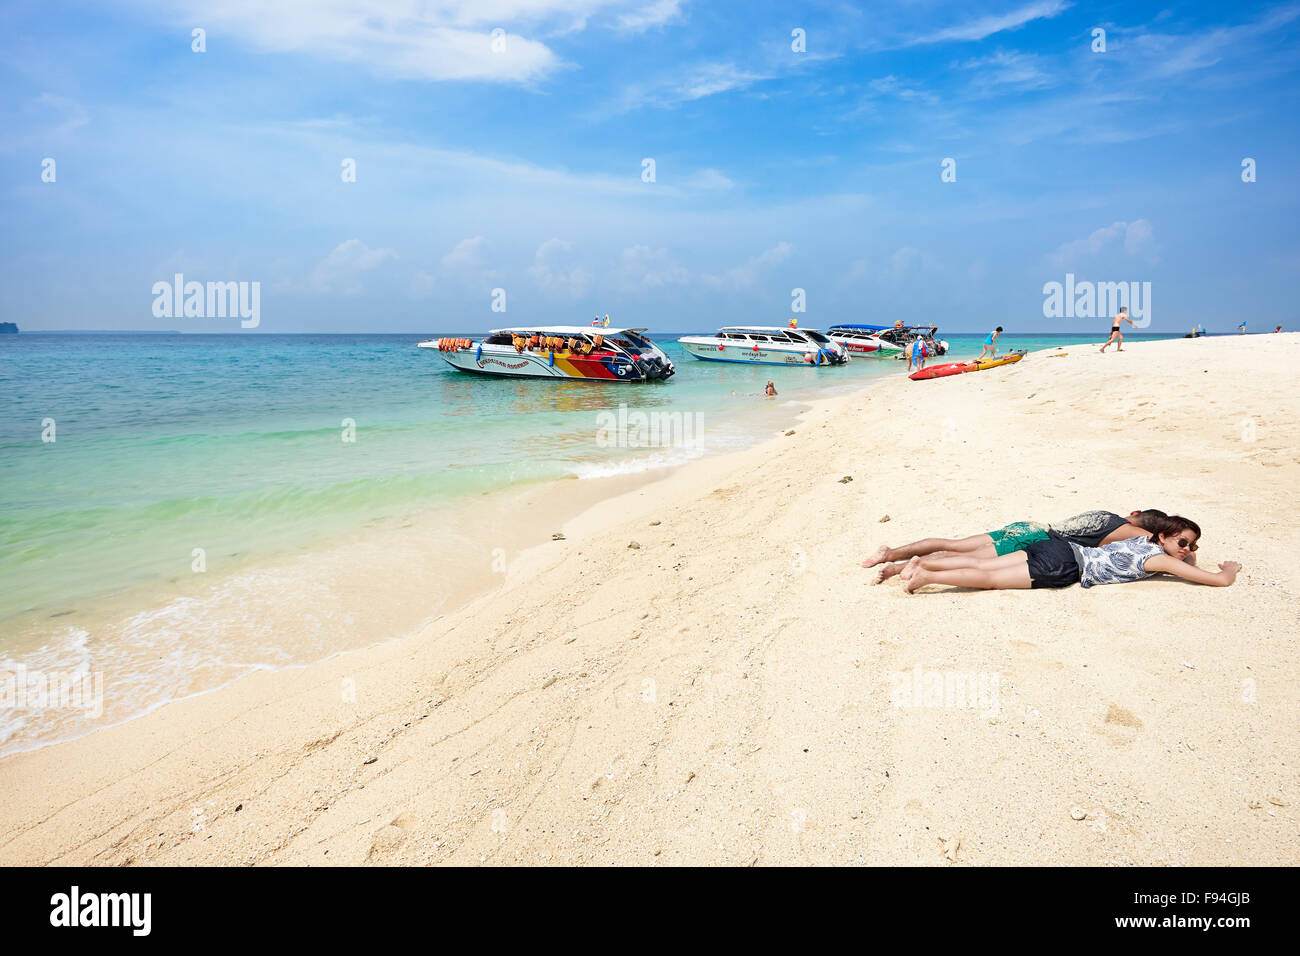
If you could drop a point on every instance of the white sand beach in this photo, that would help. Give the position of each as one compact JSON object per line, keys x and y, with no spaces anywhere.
{"x":701,"y":673}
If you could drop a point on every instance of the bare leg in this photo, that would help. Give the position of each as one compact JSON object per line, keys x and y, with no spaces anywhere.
{"x":887,"y":571}
{"x":881,"y":554}
{"x":1120,"y":346}
{"x":928,"y":546}
{"x":958,"y":561}
{"x":1000,"y":579}
{"x":1108,"y":341}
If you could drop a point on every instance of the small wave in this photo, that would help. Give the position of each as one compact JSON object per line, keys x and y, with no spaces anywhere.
{"x":666,"y":458}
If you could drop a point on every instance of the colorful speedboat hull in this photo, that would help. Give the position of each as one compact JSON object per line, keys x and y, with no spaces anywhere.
{"x":603,"y":355}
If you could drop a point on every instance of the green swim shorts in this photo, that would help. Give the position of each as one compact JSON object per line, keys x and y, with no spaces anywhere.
{"x":1017,"y":536}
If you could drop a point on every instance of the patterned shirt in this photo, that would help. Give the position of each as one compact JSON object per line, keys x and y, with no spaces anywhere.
{"x":1088,"y":529}
{"x":1115,"y":563}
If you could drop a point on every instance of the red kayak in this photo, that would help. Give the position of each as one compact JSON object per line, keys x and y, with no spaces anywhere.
{"x":939,"y":371}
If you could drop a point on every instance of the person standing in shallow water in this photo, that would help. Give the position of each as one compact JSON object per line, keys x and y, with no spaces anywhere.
{"x":770,"y":390}
{"x":1116,"y":330}
{"x":916,"y":355}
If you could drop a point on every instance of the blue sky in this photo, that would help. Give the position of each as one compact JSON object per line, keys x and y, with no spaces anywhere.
{"x":521,"y":168}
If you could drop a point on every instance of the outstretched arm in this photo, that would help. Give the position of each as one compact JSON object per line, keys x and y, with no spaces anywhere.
{"x":1180,"y":569}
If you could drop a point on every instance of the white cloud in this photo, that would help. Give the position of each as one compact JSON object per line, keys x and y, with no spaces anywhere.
{"x":709,"y":79}
{"x":707,"y":179}
{"x":655,"y":14}
{"x":1137,"y":239}
{"x":1169,"y":55}
{"x":1020,"y":71}
{"x":68,"y":114}
{"x":699,"y":80}
{"x":466,"y":257}
{"x":744,"y":276}
{"x":402,"y":39}
{"x":548,"y":272}
{"x":990,"y":24}
{"x":644,"y":268}
{"x":341,"y":270}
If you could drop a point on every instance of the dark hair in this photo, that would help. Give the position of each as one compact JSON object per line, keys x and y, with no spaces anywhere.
{"x":1171,"y":525}
{"x":999,"y":328}
{"x":1144,"y":518}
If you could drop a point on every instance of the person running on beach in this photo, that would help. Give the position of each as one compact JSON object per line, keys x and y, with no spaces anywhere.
{"x":770,"y":390}
{"x":1058,"y":563}
{"x":1278,"y":329}
{"x":1091,"y":529}
{"x":991,"y":343}
{"x":1116,"y":330}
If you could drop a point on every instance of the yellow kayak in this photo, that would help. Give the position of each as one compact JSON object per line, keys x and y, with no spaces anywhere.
{"x":982,"y":364}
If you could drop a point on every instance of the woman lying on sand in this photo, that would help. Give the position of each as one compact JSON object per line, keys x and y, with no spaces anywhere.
{"x":1058,"y":563}
{"x":1091,"y":529}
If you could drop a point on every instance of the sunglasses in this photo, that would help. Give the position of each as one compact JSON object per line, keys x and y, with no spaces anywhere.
{"x":1184,"y":543}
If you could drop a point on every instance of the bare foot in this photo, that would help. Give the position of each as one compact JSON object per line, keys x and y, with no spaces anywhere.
{"x":879,"y":555}
{"x":910,"y":569}
{"x":887,"y":571}
{"x":919,"y":579}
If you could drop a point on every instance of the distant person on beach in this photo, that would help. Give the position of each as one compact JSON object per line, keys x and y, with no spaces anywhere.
{"x":1091,"y":529}
{"x":1278,"y":329}
{"x":1116,"y":330}
{"x":1059,"y":563}
{"x":770,"y":391}
{"x":991,"y":343}
{"x":916,"y":354}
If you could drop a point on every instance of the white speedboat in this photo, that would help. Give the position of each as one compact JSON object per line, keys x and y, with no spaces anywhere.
{"x":559,"y":351}
{"x":766,"y":345}
{"x":860,"y":339}
{"x":888,"y":340}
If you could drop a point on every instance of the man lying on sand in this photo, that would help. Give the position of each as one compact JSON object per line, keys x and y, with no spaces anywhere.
{"x":1058,"y":563}
{"x":1092,"y":529}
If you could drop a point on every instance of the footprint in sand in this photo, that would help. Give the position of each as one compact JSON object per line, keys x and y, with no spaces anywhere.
{"x":388,"y":838}
{"x":1121,"y":726}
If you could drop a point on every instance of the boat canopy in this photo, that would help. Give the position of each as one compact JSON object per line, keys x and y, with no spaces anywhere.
{"x":766,"y":328}
{"x":564,"y":330}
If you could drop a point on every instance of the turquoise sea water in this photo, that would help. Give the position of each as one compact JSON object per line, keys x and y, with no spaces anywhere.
{"x":235,"y":444}
{"x":164,"y":441}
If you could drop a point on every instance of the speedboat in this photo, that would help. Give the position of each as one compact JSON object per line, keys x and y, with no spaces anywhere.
{"x":889,"y":339}
{"x":766,"y":345}
{"x":860,"y":339}
{"x":559,"y":351}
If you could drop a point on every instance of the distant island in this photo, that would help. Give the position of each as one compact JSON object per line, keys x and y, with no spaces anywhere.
{"x":8,"y":328}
